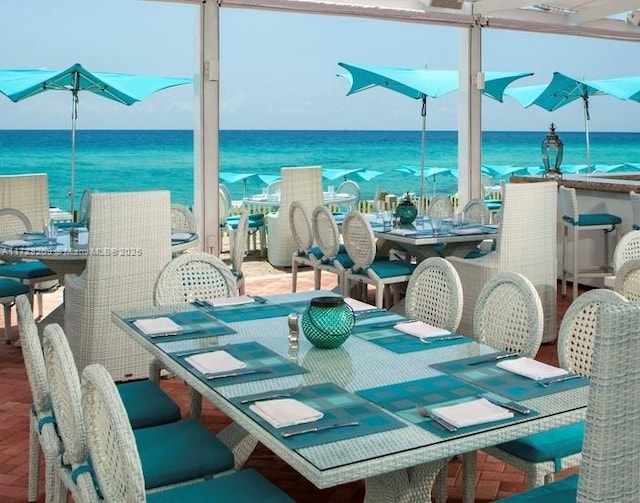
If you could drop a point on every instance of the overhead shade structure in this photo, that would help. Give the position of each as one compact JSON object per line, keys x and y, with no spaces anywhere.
{"x":20,"y":84}
{"x":420,"y":84}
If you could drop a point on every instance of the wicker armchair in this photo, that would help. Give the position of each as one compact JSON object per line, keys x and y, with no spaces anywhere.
{"x":542,"y":455}
{"x":611,"y":448}
{"x":130,"y":244}
{"x":526,"y":244}
{"x":628,"y":280}
{"x":627,"y":248}
{"x":368,"y":269}
{"x":304,"y":255}
{"x":119,"y":464}
{"x":303,"y":184}
{"x":434,"y":294}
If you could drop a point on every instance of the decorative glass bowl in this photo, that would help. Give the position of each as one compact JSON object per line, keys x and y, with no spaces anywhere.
{"x":327,"y":322}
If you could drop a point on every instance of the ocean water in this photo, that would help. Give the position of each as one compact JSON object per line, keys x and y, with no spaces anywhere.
{"x":115,"y":160}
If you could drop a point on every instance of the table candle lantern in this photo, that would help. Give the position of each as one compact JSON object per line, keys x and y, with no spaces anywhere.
{"x":327,"y":322}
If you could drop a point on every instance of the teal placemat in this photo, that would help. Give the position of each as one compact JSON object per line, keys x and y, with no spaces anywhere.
{"x":492,"y":378}
{"x":195,"y":324}
{"x":403,"y":398}
{"x":255,"y":356}
{"x":256,"y":311}
{"x":384,"y":335}
{"x":338,"y":406}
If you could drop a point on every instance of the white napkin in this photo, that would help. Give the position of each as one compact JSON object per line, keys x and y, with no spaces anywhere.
{"x":16,"y":243}
{"x":161,"y":325}
{"x":403,"y":232}
{"x":357,"y":305}
{"x":230,"y":301}
{"x":181,"y":235}
{"x":214,"y":362}
{"x":531,"y":368}
{"x":285,"y":412}
{"x":420,"y":329}
{"x":471,"y":413}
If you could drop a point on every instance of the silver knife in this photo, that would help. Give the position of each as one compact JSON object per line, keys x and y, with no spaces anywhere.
{"x":201,"y":350}
{"x":545,"y":383}
{"x":174,"y":334}
{"x":431,"y":340}
{"x":287,"y":434}
{"x":494,"y":358}
{"x":513,"y":406}
{"x":445,"y":424}
{"x":236,"y":373}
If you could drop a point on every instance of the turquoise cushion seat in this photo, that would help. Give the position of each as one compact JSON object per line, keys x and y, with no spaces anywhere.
{"x":561,"y":491}
{"x":390,"y":268}
{"x":26,"y":270}
{"x":636,"y":227}
{"x":344,"y":260}
{"x":147,"y":405}
{"x":252,"y":224}
{"x":493,"y":204}
{"x":250,"y":216}
{"x":240,"y":487}
{"x":548,"y":445}
{"x":11,"y":288}
{"x":589,"y":219}
{"x":180,"y":451}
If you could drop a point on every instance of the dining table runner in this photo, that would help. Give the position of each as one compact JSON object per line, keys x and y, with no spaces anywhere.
{"x":194,"y":325}
{"x":486,"y":375}
{"x":254,"y":355}
{"x":255,"y":311}
{"x":338,"y":406}
{"x":404,"y":400}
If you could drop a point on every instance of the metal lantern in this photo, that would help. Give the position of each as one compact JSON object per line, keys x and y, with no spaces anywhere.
{"x":552,"y":149}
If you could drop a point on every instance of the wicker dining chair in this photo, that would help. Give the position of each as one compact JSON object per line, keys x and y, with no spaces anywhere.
{"x":305,"y":253}
{"x":542,"y":455}
{"x":627,"y":248}
{"x":609,"y":471}
{"x":172,"y":453}
{"x":333,"y":256}
{"x":628,"y":280}
{"x":119,"y":466}
{"x":476,"y":212}
{"x":440,"y":206}
{"x":368,"y":269}
{"x":434,"y":294}
{"x":238,"y":248}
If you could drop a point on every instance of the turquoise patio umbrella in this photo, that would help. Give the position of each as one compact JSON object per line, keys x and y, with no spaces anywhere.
{"x":420,"y":84}
{"x":20,"y":84}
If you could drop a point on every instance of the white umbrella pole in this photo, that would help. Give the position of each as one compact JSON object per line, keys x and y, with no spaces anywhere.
{"x":586,"y":132}
{"x":74,"y":119}
{"x":421,"y":207}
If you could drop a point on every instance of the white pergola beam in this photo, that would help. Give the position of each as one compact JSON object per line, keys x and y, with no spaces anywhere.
{"x":603,"y":10}
{"x":486,"y":7}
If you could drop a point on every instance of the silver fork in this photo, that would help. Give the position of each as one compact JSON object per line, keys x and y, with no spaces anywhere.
{"x":284,"y":394}
{"x":424,"y":412}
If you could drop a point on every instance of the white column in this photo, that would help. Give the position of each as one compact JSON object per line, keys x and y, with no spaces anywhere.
{"x":207,"y":127}
{"x":470,"y":115}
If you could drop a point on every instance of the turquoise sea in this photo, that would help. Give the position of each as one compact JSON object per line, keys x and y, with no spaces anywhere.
{"x":113,"y":160}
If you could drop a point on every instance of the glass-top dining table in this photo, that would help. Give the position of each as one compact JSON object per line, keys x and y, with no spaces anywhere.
{"x":368,"y":391}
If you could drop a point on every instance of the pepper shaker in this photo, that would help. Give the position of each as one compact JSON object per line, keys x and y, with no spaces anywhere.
{"x":294,"y":329}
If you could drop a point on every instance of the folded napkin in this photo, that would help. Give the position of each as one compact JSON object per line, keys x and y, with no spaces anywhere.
{"x":470,"y":413}
{"x":16,"y":243}
{"x":468,"y":230}
{"x":214,"y":362}
{"x":285,"y":412}
{"x":181,"y":236}
{"x":530,"y":368}
{"x":230,"y":301}
{"x":154,"y":326}
{"x":357,"y":305}
{"x":420,"y":329}
{"x":403,"y":232}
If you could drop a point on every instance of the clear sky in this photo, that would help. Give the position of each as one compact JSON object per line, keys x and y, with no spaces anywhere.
{"x":278,"y":70}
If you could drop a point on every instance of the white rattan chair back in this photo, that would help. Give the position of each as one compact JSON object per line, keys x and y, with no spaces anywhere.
{"x":84,"y":211}
{"x":182,"y":219}
{"x":13,"y":221}
{"x":476,"y":212}
{"x":568,"y":202}
{"x":627,"y":248}
{"x":224,"y":206}
{"x":300,"y":226}
{"x":576,"y":336}
{"x":350,"y":187}
{"x":227,"y":197}
{"x":274,"y":187}
{"x":194,"y":276}
{"x":359,"y":240}
{"x":440,"y":207}
{"x":635,"y":209}
{"x":434,"y":294}
{"x":508,"y":315}
{"x":612,"y":440}
{"x":628,"y":280}
{"x":238,"y":244}
{"x":325,"y":232}
{"x":114,"y":453}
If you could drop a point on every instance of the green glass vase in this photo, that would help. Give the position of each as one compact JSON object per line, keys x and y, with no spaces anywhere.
{"x":327,"y":322}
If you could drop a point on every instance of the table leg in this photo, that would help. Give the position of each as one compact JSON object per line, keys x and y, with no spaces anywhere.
{"x":410,"y":485}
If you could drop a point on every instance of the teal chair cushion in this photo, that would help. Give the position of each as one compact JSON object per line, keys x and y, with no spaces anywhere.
{"x":391,"y":268}
{"x":636,"y":227}
{"x":26,"y":270}
{"x":344,"y":260}
{"x":589,"y":219}
{"x":561,"y":491}
{"x":549,"y":445}
{"x":493,"y":204}
{"x":240,"y":487}
{"x":11,"y":288}
{"x":250,"y":216}
{"x":180,"y":451}
{"x":147,"y":405}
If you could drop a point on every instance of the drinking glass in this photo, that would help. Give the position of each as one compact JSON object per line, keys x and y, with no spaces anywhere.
{"x":436,"y":225}
{"x":51,"y":231}
{"x":386,"y":220}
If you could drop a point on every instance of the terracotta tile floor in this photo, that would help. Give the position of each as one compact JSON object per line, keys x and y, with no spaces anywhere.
{"x":494,"y":479}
